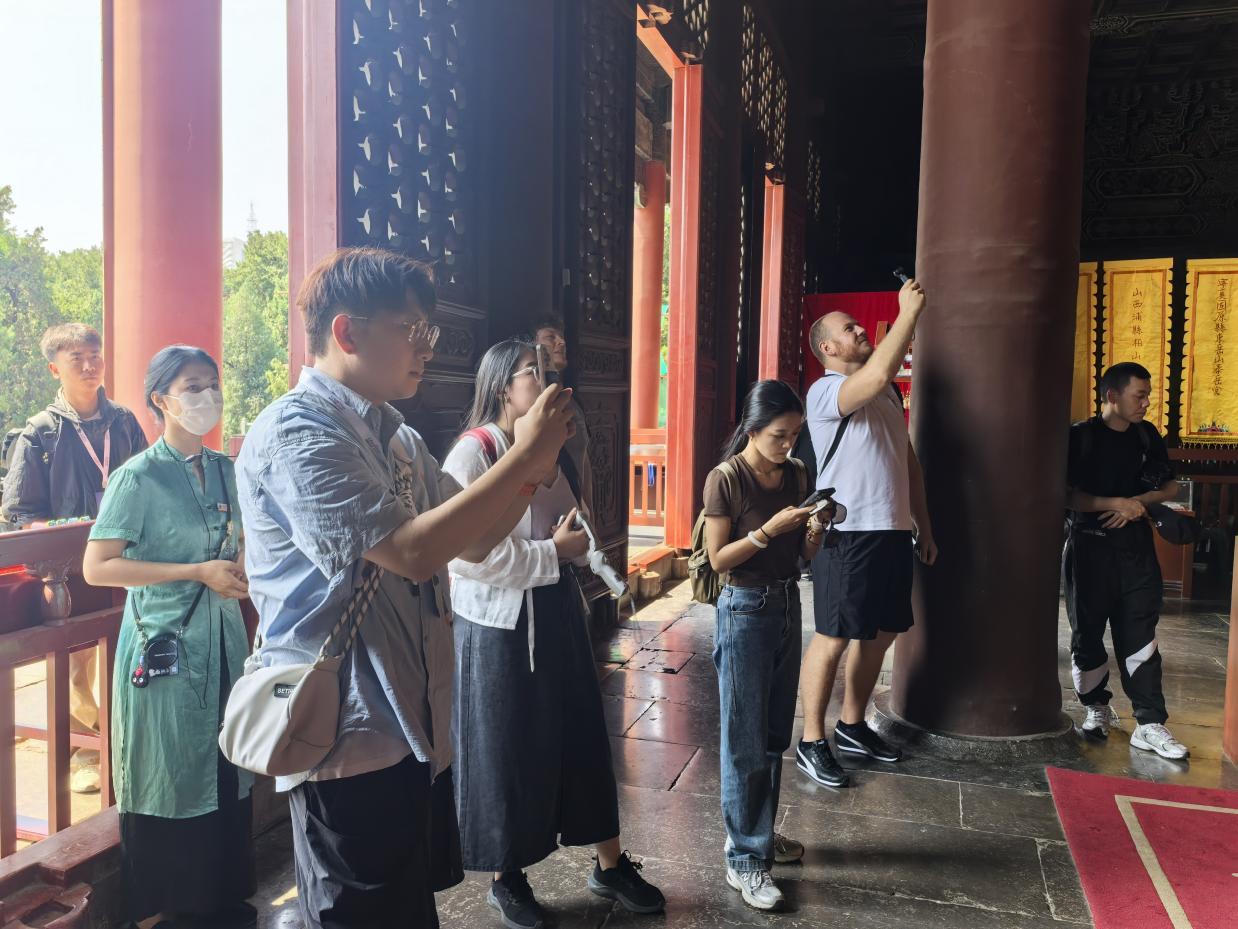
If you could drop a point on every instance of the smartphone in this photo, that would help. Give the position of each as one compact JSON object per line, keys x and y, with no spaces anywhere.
{"x":818,"y":497}
{"x":821,"y":506}
{"x":901,"y":275}
{"x":546,"y":374}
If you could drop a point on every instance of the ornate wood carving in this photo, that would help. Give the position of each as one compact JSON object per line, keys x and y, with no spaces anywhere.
{"x":1161,"y":165}
{"x":763,"y":88}
{"x":599,"y":80}
{"x":405,"y":134}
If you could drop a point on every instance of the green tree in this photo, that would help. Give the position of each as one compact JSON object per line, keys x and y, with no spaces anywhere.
{"x":75,"y":280}
{"x":26,"y":310}
{"x":255,"y":329}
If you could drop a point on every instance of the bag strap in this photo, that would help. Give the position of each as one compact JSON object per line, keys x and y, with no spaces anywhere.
{"x":838,"y":437}
{"x":355,"y":612}
{"x":485,"y":438}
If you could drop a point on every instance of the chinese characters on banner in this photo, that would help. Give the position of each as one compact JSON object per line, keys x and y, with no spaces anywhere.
{"x":1210,"y":380}
{"x":1083,"y":385}
{"x":1137,"y":319}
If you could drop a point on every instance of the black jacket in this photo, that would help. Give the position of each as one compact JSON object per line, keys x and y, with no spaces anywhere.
{"x":51,"y":475}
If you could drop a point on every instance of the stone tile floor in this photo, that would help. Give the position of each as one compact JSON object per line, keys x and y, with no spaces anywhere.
{"x":924,"y":843}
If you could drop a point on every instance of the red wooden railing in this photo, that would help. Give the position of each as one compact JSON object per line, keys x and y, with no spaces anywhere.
{"x":49,"y":613}
{"x":647,"y":491}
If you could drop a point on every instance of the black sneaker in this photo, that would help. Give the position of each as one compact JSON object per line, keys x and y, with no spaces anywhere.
{"x":861,"y":740}
{"x":512,"y":896}
{"x":816,"y":760}
{"x":624,"y":883}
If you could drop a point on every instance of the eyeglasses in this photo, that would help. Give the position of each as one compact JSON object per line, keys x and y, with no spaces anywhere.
{"x":421,"y":333}
{"x":530,"y":369}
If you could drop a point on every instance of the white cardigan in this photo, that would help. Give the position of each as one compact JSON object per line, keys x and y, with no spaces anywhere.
{"x":491,"y":592}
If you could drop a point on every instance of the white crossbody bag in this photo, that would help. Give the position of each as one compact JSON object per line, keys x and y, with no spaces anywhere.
{"x":284,"y":719}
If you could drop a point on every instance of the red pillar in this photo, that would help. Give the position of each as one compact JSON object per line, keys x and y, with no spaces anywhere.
{"x":1001,"y":183}
{"x":167,"y":165}
{"x":685,"y":439}
{"x":313,"y":155}
{"x":771,"y":281}
{"x":647,"y":247}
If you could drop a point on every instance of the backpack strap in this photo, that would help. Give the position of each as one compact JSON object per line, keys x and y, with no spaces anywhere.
{"x":485,"y":438}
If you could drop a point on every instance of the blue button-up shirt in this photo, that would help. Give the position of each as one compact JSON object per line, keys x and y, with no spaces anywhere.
{"x":324,"y":476}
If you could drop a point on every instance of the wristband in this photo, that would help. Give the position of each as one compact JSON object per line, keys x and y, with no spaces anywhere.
{"x":752,"y":537}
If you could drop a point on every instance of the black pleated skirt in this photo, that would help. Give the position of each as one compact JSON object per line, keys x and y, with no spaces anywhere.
{"x":197,"y":865}
{"x":533,"y":764}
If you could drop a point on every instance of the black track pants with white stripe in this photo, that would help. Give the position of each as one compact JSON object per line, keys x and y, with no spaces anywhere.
{"x":1120,"y":586}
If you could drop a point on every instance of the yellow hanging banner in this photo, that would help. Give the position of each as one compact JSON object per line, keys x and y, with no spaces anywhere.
{"x":1138,"y":312}
{"x":1209,"y":413}
{"x":1083,"y":386}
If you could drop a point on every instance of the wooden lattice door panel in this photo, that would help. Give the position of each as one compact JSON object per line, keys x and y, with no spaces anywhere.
{"x":406,"y":171}
{"x":597,"y":122}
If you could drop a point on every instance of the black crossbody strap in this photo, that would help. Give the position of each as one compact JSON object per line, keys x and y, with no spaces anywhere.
{"x":838,"y":437}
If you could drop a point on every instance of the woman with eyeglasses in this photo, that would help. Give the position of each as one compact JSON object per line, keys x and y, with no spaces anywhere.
{"x":532,"y":761}
{"x":169,"y":529}
{"x":757,"y":536}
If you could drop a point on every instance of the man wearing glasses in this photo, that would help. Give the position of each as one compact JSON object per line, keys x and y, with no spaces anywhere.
{"x":334,"y":488}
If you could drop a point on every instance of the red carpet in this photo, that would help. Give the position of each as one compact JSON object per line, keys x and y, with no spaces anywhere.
{"x":1151,"y":856}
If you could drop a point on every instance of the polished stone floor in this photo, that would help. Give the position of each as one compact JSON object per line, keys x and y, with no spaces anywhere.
{"x":924,"y":843}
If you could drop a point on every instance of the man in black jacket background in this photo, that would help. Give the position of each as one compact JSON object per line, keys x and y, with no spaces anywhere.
{"x":58,"y":469}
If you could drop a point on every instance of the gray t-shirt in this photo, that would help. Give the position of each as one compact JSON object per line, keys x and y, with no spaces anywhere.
{"x":869,"y":469}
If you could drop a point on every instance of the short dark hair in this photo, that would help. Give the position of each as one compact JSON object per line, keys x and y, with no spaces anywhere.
{"x":66,"y":335}
{"x":166,"y":367}
{"x":547,"y":321}
{"x":1119,"y":375}
{"x":363,"y":281}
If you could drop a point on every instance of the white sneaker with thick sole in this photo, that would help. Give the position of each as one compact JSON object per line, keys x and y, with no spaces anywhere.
{"x":1153,"y":737}
{"x":758,"y":888}
{"x":1100,"y":717}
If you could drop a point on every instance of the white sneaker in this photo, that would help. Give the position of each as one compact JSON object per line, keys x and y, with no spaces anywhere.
{"x":787,"y":850}
{"x":758,"y":888}
{"x":1100,"y":717}
{"x":1153,"y":737}
{"x":85,"y":779}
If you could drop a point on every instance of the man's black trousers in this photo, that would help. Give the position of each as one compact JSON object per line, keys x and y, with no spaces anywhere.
{"x":1119,"y":583}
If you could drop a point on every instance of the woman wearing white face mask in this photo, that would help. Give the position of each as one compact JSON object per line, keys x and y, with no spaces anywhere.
{"x":170,"y":531}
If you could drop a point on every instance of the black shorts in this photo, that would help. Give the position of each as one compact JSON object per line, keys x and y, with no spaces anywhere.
{"x":862,"y":585}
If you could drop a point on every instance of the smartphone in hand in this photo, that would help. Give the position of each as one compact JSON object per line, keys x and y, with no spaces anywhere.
{"x":546,"y":374}
{"x":818,"y":496}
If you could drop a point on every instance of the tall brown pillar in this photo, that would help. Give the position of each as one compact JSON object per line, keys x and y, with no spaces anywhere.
{"x":998,"y":250}
{"x":166,"y":225}
{"x":648,"y":237}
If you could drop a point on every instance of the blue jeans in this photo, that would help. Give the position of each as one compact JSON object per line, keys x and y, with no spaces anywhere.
{"x":757,"y":654}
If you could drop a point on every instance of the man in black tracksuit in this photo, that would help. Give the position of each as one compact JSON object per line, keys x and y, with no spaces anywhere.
{"x":58,"y":469}
{"x":1117,"y":466}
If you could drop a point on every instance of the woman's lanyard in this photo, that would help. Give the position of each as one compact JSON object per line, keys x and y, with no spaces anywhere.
{"x":105,"y":465}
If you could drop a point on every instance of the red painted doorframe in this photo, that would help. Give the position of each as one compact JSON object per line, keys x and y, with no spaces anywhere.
{"x":771,"y":281}
{"x":683,"y":411}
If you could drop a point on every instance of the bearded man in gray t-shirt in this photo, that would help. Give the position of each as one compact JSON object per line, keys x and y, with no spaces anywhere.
{"x":862,"y":582}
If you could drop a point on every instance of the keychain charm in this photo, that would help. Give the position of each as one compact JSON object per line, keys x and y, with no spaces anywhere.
{"x":139,"y":678}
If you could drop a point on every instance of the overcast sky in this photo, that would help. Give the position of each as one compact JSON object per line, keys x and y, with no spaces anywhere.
{"x":51,"y":145}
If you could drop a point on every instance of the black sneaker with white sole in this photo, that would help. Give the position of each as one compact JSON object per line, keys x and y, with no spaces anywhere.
{"x":816,"y":760}
{"x":512,"y":896}
{"x":858,"y":739}
{"x":624,"y":883}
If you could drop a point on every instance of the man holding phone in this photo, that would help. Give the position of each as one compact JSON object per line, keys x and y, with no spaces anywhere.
{"x":862,"y":582}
